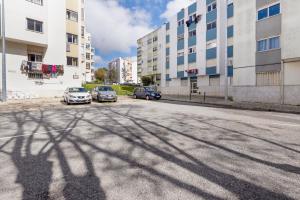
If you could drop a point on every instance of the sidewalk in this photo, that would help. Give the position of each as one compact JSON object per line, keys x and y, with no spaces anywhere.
{"x":220,"y":102}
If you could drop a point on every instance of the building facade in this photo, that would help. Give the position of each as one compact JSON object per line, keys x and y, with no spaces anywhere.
{"x":124,"y":69}
{"x":245,"y":49}
{"x":89,"y":53}
{"x":267,"y":51}
{"x":43,"y":46}
{"x":150,"y":57}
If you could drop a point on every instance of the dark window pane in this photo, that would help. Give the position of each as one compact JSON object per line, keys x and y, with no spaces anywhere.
{"x":274,"y":10}
{"x":263,"y":14}
{"x":38,"y":26}
{"x":30,"y":24}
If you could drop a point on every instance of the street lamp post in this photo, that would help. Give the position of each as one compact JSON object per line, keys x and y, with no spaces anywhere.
{"x":4,"y":92}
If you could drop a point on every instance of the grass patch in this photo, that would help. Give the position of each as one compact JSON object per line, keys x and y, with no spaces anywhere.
{"x":121,"y":90}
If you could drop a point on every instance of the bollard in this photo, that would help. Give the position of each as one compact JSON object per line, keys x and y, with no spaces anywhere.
{"x":204,"y":96}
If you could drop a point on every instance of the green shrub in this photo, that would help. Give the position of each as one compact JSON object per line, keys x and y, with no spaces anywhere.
{"x":121,"y":90}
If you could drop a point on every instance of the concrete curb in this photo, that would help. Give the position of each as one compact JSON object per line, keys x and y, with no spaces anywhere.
{"x":244,"y":106}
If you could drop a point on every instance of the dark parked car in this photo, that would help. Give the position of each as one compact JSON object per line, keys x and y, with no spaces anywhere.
{"x":146,"y":93}
{"x":104,"y":93}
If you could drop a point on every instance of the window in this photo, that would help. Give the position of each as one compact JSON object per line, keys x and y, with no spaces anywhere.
{"x":155,"y":39}
{"x":211,"y":25}
{"x":192,"y":50}
{"x":88,"y":56}
{"x":192,"y":17}
{"x":268,"y":44}
{"x":181,"y":22}
{"x":82,"y":31}
{"x":267,"y":78}
{"x":262,"y":45}
{"x":168,"y":26}
{"x":154,"y":59}
{"x":72,"y":38}
{"x":268,"y":12}
{"x":274,"y":43}
{"x":274,"y":10}
{"x":149,"y":41}
{"x":211,"y":7}
{"x":263,"y":14}
{"x":39,"y":2}
{"x":192,"y":33}
{"x":35,"y":57}
{"x":34,"y":25}
{"x":154,"y":49}
{"x":179,"y":54}
{"x":180,"y":37}
{"x":71,"y":15}
{"x":71,"y":61}
{"x":88,"y":66}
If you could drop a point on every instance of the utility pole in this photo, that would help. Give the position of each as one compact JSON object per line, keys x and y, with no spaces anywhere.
{"x":4,"y":89}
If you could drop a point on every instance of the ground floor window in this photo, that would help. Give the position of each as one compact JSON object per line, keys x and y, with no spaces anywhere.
{"x":268,"y":78}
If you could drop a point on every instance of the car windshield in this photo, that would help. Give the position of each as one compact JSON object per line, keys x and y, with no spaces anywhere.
{"x":73,"y":90}
{"x":149,"y":89}
{"x":105,"y":89}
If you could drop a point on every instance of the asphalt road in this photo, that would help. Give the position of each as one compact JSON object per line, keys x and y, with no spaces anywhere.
{"x":140,"y":150}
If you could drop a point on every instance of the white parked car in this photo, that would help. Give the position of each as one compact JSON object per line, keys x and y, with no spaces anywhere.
{"x":77,"y":95}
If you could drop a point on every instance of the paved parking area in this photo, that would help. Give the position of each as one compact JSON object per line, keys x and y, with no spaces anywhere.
{"x":144,"y":150}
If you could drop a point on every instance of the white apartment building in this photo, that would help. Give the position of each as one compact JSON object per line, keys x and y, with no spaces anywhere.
{"x":250,"y":46}
{"x":150,"y":56}
{"x":193,"y":54}
{"x":89,"y":53}
{"x":125,"y":69}
{"x":43,"y":46}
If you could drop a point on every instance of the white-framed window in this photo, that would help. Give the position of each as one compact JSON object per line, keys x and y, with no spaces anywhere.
{"x":268,"y":44}
{"x":179,"y":54}
{"x":192,"y":33}
{"x":212,"y":7}
{"x":34,"y":25}
{"x":82,"y":31}
{"x":154,"y":59}
{"x":39,"y":2}
{"x":149,"y":41}
{"x":192,"y":50}
{"x":72,"y":39}
{"x":155,"y":38}
{"x":88,"y":66}
{"x":71,"y":61}
{"x":192,"y":17}
{"x":211,"y":25}
{"x":181,"y":22}
{"x":72,"y":15}
{"x":270,"y":11}
{"x":35,"y":57}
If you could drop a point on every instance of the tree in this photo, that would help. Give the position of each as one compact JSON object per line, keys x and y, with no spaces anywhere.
{"x":146,"y":80}
{"x":101,"y":74}
{"x":112,"y":75}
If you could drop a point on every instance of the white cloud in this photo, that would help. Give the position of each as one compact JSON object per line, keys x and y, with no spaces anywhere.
{"x":98,"y":59}
{"x":113,"y":27}
{"x":174,"y":6}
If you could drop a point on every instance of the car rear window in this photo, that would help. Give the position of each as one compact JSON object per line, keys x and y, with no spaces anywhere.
{"x":72,"y":90}
{"x":105,"y":89}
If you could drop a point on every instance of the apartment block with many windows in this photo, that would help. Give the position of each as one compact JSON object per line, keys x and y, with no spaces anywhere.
{"x":42,"y":47}
{"x":250,"y":46}
{"x":150,"y":56}
{"x":195,"y":55}
{"x":123,"y":70}
{"x":267,"y":51}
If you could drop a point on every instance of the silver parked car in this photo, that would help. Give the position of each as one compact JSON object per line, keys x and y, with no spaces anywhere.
{"x":77,"y":95}
{"x":104,"y":93}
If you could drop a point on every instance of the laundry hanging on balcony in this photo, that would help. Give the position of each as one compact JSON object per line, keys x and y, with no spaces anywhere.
{"x":36,"y":69}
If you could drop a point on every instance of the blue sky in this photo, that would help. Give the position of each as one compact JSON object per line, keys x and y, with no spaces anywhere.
{"x":115,"y":25}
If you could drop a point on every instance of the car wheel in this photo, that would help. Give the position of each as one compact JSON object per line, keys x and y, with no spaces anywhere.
{"x":68,"y":103}
{"x":134,"y":96}
{"x":99,"y":100}
{"x":147,"y":98}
